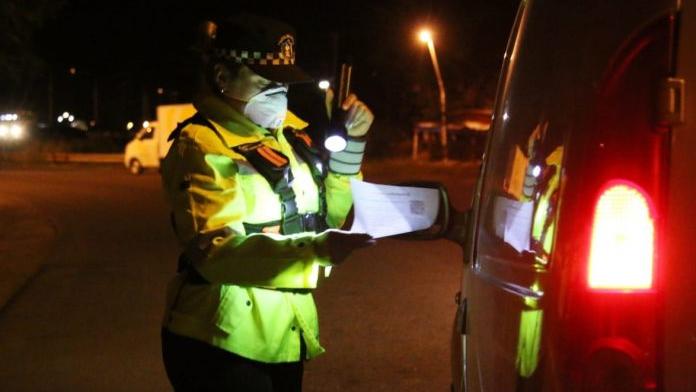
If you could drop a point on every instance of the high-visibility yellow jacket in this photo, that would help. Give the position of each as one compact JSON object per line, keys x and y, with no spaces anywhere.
{"x":251,"y":305}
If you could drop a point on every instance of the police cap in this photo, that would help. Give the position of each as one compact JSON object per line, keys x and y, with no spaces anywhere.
{"x":265,"y":45}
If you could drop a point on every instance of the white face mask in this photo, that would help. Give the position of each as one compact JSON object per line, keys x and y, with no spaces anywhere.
{"x":268,"y":108}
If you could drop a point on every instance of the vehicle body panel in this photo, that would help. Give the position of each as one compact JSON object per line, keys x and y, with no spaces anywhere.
{"x":680,"y":272}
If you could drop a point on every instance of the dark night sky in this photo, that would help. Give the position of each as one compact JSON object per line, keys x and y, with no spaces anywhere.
{"x":133,"y":48}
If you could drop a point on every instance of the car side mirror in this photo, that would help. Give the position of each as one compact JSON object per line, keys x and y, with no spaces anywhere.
{"x":460,"y":227}
{"x":450,"y":223}
{"x":442,"y":221}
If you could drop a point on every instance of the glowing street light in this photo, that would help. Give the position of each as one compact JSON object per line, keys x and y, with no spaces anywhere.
{"x":426,"y":36}
{"x":324,"y":84}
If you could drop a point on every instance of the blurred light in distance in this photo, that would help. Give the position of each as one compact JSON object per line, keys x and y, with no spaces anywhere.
{"x":4,"y":130}
{"x":324,"y":84}
{"x":16,"y":131}
{"x":623,"y":238}
{"x":71,"y":118}
{"x":130,"y":125}
{"x":66,"y":114}
{"x":146,"y":124}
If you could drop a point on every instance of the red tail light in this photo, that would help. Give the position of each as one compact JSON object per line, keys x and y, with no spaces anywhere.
{"x":623,"y":240}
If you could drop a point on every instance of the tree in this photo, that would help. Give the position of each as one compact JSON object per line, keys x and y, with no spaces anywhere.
{"x":19,"y":60}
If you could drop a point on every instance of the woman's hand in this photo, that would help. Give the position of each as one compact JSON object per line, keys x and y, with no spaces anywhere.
{"x":359,"y":117}
{"x":341,"y":244}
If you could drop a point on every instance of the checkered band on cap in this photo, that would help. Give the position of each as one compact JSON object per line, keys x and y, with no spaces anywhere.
{"x":284,"y":56}
{"x":260,"y":58}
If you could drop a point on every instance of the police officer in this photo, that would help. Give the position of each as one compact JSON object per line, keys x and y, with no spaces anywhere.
{"x":251,"y":203}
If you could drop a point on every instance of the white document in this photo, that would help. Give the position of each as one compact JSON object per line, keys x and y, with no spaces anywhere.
{"x":513,"y":222}
{"x":385,"y":210}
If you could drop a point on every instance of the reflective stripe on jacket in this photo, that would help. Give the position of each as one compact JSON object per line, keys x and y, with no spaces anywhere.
{"x":256,"y":303}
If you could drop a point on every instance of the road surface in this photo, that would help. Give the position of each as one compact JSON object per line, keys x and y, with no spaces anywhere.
{"x":89,"y":320}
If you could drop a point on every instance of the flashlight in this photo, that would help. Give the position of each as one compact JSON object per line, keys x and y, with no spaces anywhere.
{"x":336,"y":135}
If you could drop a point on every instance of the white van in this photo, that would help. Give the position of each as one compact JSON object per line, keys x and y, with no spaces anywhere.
{"x":150,"y":143}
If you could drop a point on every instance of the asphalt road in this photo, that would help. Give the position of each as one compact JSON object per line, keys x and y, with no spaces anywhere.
{"x":89,"y":321}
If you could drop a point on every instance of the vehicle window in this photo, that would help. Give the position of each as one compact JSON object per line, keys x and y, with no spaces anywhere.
{"x":525,"y":154}
{"x":146,"y":134}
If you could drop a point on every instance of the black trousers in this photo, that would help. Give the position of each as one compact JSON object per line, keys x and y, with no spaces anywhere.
{"x":193,"y":365}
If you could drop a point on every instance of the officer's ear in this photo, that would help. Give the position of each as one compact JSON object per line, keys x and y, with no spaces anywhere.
{"x":221,"y":77}
{"x":224,"y":78}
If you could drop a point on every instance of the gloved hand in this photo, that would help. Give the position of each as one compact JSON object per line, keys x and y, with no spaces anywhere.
{"x":359,"y":117}
{"x":341,"y":244}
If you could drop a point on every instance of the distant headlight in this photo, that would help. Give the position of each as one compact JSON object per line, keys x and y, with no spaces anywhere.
{"x":16,"y":131}
{"x":4,"y":131}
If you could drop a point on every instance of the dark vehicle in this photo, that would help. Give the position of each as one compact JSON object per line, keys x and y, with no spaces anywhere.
{"x":580,"y":246}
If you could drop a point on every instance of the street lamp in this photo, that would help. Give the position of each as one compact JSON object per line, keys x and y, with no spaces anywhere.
{"x":426,"y":37}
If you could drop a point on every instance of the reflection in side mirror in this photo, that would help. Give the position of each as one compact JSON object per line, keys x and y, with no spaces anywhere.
{"x":442,"y":222}
{"x":450,"y":224}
